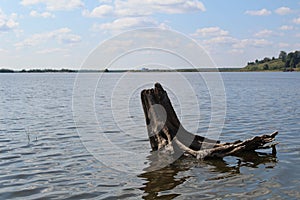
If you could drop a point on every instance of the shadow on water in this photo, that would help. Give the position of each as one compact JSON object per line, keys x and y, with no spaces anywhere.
{"x":160,"y":183}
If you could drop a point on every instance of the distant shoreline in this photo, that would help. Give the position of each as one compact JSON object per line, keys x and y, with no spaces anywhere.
{"x":134,"y":71}
{"x":285,"y":62}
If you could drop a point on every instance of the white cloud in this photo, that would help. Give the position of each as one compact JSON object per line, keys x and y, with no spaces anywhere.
{"x":127,"y":23}
{"x":220,"y":40}
{"x":260,"y":42}
{"x":137,"y":7}
{"x":297,"y":20}
{"x":34,"y":13}
{"x":132,"y":8}
{"x":210,"y":31}
{"x":99,"y":11}
{"x":3,"y":50}
{"x":283,"y":45}
{"x":30,"y":2}
{"x":69,"y":38}
{"x":51,"y":50}
{"x":286,"y":28}
{"x":62,"y":35}
{"x":262,"y":12}
{"x":105,"y":1}
{"x":7,"y":23}
{"x":264,"y":33}
{"x":236,"y":51}
{"x":251,"y":42}
{"x":283,"y":11}
{"x":55,"y":5}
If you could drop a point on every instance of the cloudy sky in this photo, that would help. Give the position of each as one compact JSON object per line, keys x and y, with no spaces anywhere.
{"x":62,"y":33}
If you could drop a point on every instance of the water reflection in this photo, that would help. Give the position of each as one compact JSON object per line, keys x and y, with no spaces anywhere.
{"x":160,"y":184}
{"x":164,"y":179}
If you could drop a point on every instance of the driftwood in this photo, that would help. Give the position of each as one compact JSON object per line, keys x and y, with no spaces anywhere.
{"x":166,"y":132}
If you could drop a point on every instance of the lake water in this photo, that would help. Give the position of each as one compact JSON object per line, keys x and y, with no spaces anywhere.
{"x":64,"y":136}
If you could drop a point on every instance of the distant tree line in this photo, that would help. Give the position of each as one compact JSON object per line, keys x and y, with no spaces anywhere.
{"x":6,"y":71}
{"x":47,"y":70}
{"x":36,"y":70}
{"x":284,"y":61}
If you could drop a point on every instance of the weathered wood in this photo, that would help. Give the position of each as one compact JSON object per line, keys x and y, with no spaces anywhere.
{"x":166,"y":131}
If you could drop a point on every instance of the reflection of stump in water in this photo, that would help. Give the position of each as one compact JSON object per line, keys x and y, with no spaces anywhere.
{"x":166,"y":132}
{"x":161,"y":183}
{"x":162,"y":180}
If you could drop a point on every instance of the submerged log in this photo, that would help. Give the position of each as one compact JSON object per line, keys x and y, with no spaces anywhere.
{"x":166,"y":132}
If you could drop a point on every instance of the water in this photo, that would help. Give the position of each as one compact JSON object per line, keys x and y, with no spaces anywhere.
{"x":67,"y":139}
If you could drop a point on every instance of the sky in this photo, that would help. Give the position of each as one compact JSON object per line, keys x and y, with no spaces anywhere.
{"x":62,"y":33}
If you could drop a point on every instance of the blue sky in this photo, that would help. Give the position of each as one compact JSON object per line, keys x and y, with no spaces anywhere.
{"x":62,"y":33}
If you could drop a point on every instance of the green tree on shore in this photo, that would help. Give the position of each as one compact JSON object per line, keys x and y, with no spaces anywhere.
{"x":282,"y":56}
{"x":284,"y":62}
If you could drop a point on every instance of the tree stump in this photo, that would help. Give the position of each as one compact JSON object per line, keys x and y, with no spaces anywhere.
{"x":166,"y":131}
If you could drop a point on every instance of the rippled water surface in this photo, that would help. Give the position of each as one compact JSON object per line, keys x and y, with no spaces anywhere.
{"x":85,"y":138}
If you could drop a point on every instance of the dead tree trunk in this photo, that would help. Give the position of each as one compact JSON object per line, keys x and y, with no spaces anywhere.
{"x":165,"y":130}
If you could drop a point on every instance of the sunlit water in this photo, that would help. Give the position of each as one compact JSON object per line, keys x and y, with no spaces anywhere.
{"x":55,"y":144}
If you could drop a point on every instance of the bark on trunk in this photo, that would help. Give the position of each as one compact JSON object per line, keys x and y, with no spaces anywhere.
{"x":165,"y":131}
